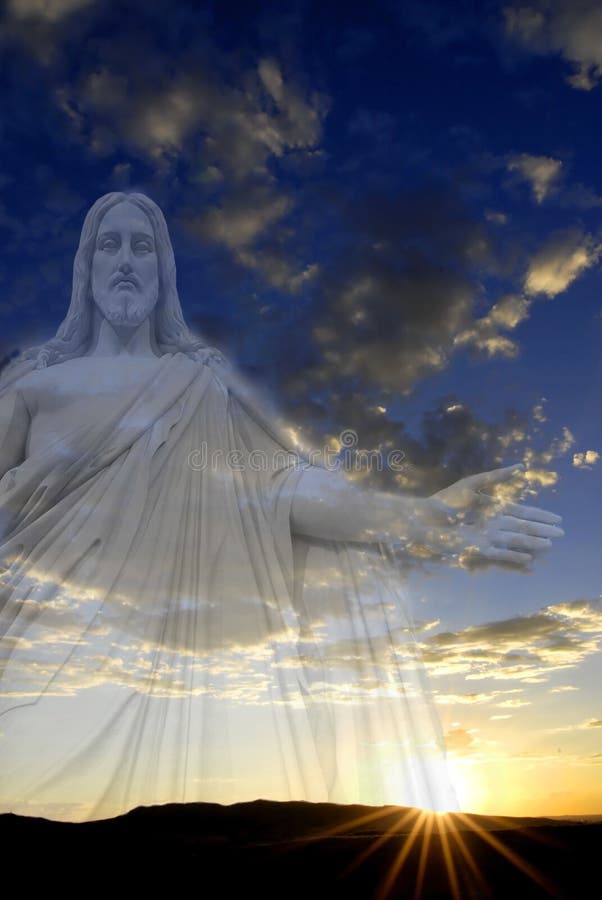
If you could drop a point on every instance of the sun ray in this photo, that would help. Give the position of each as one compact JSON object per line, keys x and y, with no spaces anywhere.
{"x":469,"y":860}
{"x":531,"y":871}
{"x":449,"y":861}
{"x":423,"y":858}
{"x":391,"y":876}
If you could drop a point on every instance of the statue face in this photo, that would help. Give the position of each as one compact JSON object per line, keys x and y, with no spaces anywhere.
{"x":125,"y":268}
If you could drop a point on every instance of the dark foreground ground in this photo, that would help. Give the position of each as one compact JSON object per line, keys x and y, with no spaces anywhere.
{"x":267,"y":849}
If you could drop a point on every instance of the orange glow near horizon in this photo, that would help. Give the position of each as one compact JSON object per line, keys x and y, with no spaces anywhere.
{"x":512,"y":788}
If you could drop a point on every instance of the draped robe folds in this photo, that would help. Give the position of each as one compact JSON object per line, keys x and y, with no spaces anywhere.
{"x":166,"y":637}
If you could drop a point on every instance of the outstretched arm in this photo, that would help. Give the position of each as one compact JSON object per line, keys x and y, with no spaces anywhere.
{"x":459,"y":523}
{"x":328,"y":505}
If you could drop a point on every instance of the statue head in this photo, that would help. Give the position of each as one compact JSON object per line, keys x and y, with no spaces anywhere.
{"x":135,"y":244}
{"x":124,"y":280}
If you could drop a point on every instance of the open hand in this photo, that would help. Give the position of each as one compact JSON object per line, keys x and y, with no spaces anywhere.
{"x":497,"y":532}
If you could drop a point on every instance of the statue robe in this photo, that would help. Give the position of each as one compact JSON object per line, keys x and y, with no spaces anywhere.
{"x":166,"y":638}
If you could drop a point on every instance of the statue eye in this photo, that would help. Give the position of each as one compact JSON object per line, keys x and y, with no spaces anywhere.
{"x":108,"y":244}
{"x":143,"y":247}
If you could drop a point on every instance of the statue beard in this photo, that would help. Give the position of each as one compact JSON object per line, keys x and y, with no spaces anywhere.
{"x":132,"y":313}
{"x":127,"y":310}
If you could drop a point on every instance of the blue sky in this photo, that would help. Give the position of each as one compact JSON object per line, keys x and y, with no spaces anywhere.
{"x":390,"y":216}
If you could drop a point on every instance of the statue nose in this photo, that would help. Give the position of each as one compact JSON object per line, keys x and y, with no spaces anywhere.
{"x":125,"y":266}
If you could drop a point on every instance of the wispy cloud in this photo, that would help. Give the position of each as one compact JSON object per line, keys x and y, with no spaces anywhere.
{"x":560,"y":260}
{"x":540,"y":172}
{"x":566,"y":28}
{"x":52,"y":11}
{"x":557,"y":637}
{"x":586,"y":460}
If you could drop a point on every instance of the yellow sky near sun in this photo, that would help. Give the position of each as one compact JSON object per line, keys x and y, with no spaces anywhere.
{"x":528,"y":787}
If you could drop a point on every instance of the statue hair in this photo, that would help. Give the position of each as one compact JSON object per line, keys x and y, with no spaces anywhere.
{"x":73,"y":335}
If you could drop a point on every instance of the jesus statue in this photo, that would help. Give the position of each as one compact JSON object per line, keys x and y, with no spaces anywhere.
{"x":191,"y":606}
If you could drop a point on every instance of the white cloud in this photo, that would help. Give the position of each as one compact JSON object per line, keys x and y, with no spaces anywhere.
{"x":586,"y":459}
{"x":475,"y":697}
{"x":497,"y":217}
{"x":241,"y":120}
{"x":164,"y":123}
{"x":240,"y":220}
{"x":570,"y":28}
{"x":561,"y":259}
{"x":485,"y":336}
{"x":46,"y":27}
{"x":538,"y":411}
{"x":514,"y":702}
{"x":559,"y":446}
{"x":300,"y":118}
{"x":536,"y":474}
{"x":541,"y":172}
{"x":522,"y":648}
{"x":226,"y":127}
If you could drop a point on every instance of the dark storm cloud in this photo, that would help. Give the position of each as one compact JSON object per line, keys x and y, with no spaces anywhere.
{"x":452,"y":440}
{"x":402,"y":288}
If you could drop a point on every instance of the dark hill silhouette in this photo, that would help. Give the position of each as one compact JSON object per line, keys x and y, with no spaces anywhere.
{"x":287,"y":850}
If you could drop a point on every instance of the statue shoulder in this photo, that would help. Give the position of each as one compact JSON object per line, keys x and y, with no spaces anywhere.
{"x":16,"y":375}
{"x":213,"y":357}
{"x":17,"y":388}
{"x":219,"y":365}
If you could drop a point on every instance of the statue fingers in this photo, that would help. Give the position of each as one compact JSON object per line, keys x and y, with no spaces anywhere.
{"x":532,"y":513}
{"x":524,"y":542}
{"x":528,"y":526}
